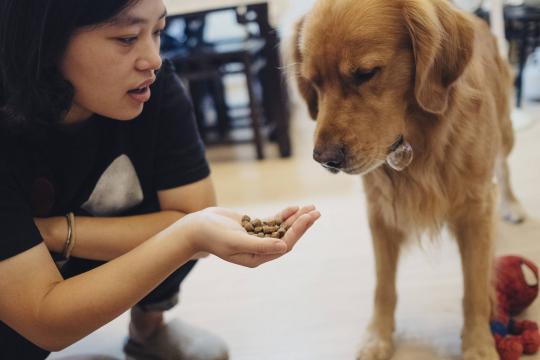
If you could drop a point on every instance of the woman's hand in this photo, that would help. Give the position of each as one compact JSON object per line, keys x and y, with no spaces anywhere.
{"x":218,"y":231}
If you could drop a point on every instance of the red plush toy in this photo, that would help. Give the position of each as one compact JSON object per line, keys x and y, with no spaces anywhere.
{"x":516,"y":281}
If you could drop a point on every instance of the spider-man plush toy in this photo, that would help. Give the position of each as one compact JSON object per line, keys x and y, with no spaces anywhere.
{"x":516,"y":282}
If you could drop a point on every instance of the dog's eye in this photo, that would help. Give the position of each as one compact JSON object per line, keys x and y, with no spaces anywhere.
{"x":363,"y":76}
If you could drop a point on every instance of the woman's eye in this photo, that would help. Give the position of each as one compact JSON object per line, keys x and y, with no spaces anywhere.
{"x":158,"y":33}
{"x":130,"y":40}
{"x":362,"y":76}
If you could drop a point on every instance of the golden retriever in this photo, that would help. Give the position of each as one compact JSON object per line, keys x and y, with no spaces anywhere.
{"x":377,"y":74}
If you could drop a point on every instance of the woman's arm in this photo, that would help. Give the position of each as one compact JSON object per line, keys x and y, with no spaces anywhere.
{"x":54,"y":313}
{"x":106,"y":238}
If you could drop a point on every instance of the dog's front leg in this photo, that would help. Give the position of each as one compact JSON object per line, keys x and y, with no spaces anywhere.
{"x":474,"y":231}
{"x":378,"y":344}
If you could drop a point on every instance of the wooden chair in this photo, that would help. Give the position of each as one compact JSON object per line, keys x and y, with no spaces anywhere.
{"x":204,"y":65}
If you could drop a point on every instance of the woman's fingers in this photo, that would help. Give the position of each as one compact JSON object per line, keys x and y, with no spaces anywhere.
{"x":299,"y":227}
{"x":287,"y":213}
{"x":293,"y":217}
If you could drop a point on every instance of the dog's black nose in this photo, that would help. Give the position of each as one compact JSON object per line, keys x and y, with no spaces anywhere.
{"x":332,"y":156}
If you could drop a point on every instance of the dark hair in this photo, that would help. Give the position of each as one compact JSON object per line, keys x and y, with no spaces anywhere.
{"x":33,"y":37}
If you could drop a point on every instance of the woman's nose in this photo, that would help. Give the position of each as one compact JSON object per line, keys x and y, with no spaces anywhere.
{"x":150,"y":58}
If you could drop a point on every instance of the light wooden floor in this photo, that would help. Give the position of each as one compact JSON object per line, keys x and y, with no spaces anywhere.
{"x":314,"y":303}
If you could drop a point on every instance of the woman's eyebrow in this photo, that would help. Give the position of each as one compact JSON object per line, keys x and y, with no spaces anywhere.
{"x":128,"y":20}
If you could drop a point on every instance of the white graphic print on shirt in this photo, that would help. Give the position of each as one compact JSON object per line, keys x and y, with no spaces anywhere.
{"x":117,"y":190}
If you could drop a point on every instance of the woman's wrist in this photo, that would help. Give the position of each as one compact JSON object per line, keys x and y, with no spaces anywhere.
{"x":177,"y":240}
{"x":187,"y":233}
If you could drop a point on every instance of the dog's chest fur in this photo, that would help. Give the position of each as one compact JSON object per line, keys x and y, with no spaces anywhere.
{"x":414,"y":205}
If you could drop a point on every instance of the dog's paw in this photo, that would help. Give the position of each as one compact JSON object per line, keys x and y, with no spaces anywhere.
{"x":479,"y":345}
{"x":376,"y":349}
{"x":513,"y":213}
{"x":481,"y":353}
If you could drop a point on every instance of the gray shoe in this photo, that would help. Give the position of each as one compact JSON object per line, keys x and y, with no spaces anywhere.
{"x":178,"y":341}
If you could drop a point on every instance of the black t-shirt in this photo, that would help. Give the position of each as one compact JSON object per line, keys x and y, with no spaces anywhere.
{"x":101,"y":167}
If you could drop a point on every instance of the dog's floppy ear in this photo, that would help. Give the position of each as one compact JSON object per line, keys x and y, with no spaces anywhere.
{"x":306,"y":89}
{"x":442,"y":40}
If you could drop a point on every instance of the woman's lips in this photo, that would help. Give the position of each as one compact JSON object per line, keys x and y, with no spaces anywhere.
{"x":140,"y":96}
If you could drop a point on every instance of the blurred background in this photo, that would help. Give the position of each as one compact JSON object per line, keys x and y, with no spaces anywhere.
{"x":315,"y":303}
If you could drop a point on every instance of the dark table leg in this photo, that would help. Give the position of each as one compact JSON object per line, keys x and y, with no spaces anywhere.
{"x":521,"y":63}
{"x":276,"y":97}
{"x":254,"y":107}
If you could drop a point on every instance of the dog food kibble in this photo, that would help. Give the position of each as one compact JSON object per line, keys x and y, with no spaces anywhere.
{"x":267,"y":229}
{"x":272,"y":228}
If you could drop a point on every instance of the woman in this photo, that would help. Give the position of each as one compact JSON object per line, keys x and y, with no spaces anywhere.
{"x":101,"y":167}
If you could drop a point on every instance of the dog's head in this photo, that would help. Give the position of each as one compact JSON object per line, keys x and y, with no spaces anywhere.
{"x":362,"y":64}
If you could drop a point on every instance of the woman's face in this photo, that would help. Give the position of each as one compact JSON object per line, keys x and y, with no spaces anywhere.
{"x":111,"y":66}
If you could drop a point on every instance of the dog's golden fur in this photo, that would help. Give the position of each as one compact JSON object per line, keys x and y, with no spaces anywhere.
{"x":373,"y":70}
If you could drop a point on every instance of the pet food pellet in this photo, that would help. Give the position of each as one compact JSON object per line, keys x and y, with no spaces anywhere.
{"x":246,"y":218}
{"x":273,"y":228}
{"x":269,"y":229}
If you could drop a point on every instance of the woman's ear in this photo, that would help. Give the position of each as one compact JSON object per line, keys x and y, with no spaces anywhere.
{"x":442,"y":40}
{"x":306,"y":89}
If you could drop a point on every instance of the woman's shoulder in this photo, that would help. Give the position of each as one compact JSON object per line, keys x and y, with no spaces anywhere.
{"x":166,"y":72}
{"x":168,"y":84}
